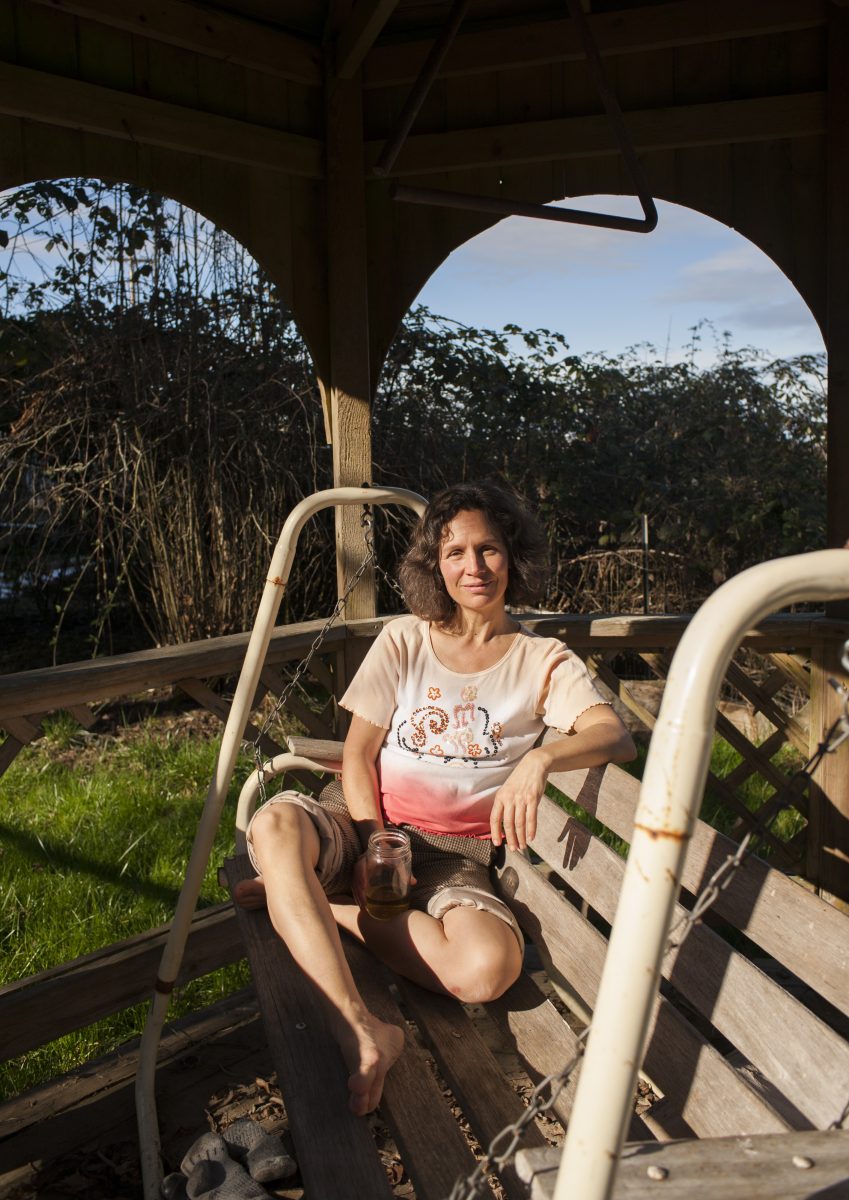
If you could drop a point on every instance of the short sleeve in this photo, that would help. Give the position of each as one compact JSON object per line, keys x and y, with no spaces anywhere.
{"x":373,"y":692}
{"x":568,"y":691}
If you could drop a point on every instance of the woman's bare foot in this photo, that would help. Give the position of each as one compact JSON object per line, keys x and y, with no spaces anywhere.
{"x":369,"y":1047}
{"x":250,"y":893}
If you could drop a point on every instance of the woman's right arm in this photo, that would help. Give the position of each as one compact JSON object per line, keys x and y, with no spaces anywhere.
{"x":359,"y":776}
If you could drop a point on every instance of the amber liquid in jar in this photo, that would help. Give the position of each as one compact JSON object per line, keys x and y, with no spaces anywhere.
{"x":389,"y":867}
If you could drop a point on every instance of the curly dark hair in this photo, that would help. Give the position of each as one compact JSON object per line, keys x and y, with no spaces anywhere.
{"x":419,"y":573}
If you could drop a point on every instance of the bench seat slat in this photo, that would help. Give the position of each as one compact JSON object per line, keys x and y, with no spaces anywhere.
{"x":488,"y":1101}
{"x":735,"y":1168}
{"x":429,"y":1140}
{"x":533,"y":1027}
{"x":310,"y":1070}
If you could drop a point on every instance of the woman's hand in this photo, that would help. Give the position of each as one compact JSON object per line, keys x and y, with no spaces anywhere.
{"x":514,"y":809}
{"x":598,"y":737}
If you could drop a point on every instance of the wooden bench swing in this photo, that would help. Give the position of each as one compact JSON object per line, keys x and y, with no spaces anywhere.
{"x":746,"y":1039}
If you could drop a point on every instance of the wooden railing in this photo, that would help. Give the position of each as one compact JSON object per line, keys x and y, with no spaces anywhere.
{"x":779,"y":676}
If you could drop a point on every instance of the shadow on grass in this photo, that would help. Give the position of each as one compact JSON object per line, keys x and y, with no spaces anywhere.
{"x":39,"y":849}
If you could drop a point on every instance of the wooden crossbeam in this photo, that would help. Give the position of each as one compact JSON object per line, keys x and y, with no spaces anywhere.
{"x":359,"y":33}
{"x":534,"y":43}
{"x":735,"y":1168}
{"x":715,"y":124}
{"x":217,"y":705}
{"x":764,"y":703}
{"x":70,"y":103}
{"x":207,"y":31}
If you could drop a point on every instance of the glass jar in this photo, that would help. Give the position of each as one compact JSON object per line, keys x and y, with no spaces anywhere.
{"x":389,"y":864}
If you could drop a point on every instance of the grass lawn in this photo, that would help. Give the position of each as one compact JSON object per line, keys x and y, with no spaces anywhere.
{"x":94,"y":837}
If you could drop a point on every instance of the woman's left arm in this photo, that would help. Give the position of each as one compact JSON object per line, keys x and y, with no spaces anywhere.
{"x":599,"y":737}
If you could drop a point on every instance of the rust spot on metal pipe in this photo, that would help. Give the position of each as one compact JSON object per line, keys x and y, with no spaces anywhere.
{"x":674,"y":834}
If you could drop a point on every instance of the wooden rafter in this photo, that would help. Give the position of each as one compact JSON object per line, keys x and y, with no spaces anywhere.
{"x":720,"y":123}
{"x":57,"y":100}
{"x":359,"y":33}
{"x":621,"y":32}
{"x":206,"y":31}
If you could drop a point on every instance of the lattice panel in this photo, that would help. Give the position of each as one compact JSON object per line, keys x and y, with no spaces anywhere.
{"x":764,"y":683}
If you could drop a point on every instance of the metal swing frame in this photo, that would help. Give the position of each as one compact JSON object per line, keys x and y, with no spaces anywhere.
{"x":231,"y":742}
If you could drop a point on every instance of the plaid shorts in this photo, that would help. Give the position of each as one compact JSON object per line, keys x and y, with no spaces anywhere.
{"x":451,"y":871}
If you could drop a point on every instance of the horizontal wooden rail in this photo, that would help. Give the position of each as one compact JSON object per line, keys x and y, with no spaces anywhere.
{"x":48,"y":688}
{"x":57,"y":1001}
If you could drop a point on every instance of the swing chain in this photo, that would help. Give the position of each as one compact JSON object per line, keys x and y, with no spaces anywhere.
{"x":503,"y":1146}
{"x":367,"y":525}
{"x":471,"y":1187}
{"x":835,"y":736}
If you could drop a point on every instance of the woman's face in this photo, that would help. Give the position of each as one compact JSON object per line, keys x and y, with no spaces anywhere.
{"x":474,"y":562}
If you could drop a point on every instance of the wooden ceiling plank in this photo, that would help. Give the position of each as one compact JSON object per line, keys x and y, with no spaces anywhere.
{"x":359,"y":33}
{"x":719,"y":123}
{"x":57,"y":100}
{"x":622,"y":32}
{"x":206,"y":31}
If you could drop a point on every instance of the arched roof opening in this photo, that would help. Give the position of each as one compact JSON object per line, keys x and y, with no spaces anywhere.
{"x":641,"y":391}
{"x":161,"y":418}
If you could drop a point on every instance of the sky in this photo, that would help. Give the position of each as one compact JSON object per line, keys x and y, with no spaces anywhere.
{"x":606,"y":290}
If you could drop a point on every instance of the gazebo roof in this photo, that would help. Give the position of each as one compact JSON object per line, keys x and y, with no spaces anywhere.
{"x":270,"y":118}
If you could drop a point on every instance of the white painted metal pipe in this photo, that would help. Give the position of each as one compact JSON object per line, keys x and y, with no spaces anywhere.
{"x":669,"y":803}
{"x":172,"y":954}
{"x":279,"y":765}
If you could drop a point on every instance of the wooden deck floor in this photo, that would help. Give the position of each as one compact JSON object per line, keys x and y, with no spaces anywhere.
{"x":76,"y":1136}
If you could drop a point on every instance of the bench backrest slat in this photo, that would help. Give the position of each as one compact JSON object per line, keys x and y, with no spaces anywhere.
{"x":716,"y":1100}
{"x":800,"y":930}
{"x":806,"y":1060}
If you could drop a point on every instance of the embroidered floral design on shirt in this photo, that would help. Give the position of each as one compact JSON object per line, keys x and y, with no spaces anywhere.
{"x":436,"y":720}
{"x":464,"y":730}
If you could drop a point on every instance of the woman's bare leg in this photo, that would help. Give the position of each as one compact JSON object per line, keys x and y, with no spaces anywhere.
{"x":470,"y":954}
{"x":286,"y":846}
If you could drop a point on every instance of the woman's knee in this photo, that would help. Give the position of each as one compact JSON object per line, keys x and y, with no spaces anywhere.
{"x":280,"y":827}
{"x":484,"y":969}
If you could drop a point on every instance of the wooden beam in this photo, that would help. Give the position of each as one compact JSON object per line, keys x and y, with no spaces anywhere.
{"x":359,"y":33}
{"x":717,"y":124}
{"x":828,"y":804}
{"x":837,"y":286}
{"x":735,"y":1168}
{"x":348,"y":390}
{"x":207,"y":31}
{"x":40,"y":1008}
{"x":647,"y":28}
{"x":57,"y":100}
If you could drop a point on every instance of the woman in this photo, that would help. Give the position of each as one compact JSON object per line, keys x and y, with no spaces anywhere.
{"x":446,"y":709}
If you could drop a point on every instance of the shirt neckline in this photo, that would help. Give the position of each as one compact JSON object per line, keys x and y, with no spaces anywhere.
{"x":471,"y":674}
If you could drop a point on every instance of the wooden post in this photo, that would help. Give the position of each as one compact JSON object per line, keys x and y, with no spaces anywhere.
{"x":348,"y":396}
{"x":828,"y":820}
{"x":828,"y":827}
{"x":837,"y":283}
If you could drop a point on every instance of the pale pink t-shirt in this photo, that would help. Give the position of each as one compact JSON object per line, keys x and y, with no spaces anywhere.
{"x":453,"y":738}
